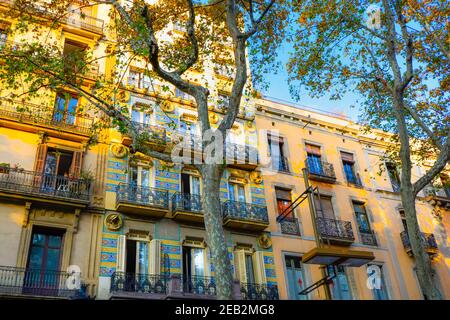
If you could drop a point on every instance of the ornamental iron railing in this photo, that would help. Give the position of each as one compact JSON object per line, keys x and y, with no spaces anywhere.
{"x":142,"y":195}
{"x":138,"y":283}
{"x":46,"y":185}
{"x":320,"y":168}
{"x":254,"y":291}
{"x":289,"y":225}
{"x":186,"y":202}
{"x":428,"y":241}
{"x":35,"y":282}
{"x":244,"y":211}
{"x":334,"y":229}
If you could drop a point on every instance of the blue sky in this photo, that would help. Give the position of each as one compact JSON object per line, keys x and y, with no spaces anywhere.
{"x":279,"y":88}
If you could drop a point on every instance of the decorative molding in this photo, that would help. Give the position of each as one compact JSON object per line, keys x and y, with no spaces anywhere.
{"x":113,"y":221}
{"x":264,"y":241}
{"x":119,"y":150}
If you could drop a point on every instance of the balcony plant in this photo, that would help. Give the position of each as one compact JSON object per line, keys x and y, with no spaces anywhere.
{"x":4,"y":167}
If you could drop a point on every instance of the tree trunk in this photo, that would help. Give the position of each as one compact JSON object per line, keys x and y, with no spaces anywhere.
{"x":211,"y":175}
{"x":423,"y":264}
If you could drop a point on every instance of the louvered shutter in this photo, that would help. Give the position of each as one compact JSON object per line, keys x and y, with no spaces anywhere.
{"x":41,"y":153}
{"x":312,"y":149}
{"x":239,"y":261}
{"x":352,"y":283}
{"x":155,"y":257}
{"x":207,"y":262}
{"x":121,"y":253}
{"x":260,"y":270}
{"x":75,"y":167}
{"x":347,"y":157}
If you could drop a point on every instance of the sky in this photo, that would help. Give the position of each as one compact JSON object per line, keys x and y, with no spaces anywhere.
{"x":279,"y":89}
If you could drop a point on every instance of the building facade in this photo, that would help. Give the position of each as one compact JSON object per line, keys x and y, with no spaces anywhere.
{"x":359,"y":206}
{"x":79,"y":206}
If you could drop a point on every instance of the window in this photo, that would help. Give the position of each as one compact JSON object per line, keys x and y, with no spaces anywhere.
{"x":65,"y":108}
{"x":137,"y":257}
{"x":74,"y":54}
{"x":340,"y":290}
{"x":139,"y":116}
{"x":44,"y":260}
{"x":284,"y":200}
{"x":362,"y":220}
{"x":295,"y":278}
{"x":393,"y":176}
{"x":3,"y":38}
{"x":139,"y":175}
{"x":195,"y":269}
{"x":236,"y":192}
{"x":349,"y":168}
{"x":223,"y":102}
{"x":324,"y":207}
{"x":403,"y":218}
{"x":191,"y":190}
{"x":249,"y":266}
{"x":382,"y":292}
{"x":361,"y":217}
{"x":276,"y":151}
{"x":139,"y":80}
{"x":314,"y":159}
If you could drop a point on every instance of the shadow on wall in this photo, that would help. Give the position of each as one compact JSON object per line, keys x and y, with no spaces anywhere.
{"x":20,"y":151}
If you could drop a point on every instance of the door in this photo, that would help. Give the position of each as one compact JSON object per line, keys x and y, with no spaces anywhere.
{"x":139,"y":184}
{"x":58,"y":168}
{"x":340,"y":288}
{"x":137,"y":264}
{"x":42,"y":275}
{"x":190,"y":189}
{"x":194,"y":280}
{"x":294,"y":278}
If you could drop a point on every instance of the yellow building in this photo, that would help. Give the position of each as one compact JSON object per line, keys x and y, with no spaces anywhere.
{"x":77,"y":202}
{"x":358,"y":209}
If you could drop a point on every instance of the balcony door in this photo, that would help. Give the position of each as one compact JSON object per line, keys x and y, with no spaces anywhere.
{"x":340,"y":288}
{"x":65,"y":109}
{"x":195,"y":269}
{"x":324,"y":207}
{"x":59,"y":167}
{"x":294,"y":277}
{"x":42,"y":275}
{"x":236,"y":192}
{"x":314,"y":159}
{"x":191,"y":190}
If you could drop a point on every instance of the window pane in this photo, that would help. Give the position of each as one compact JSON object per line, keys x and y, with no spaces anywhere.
{"x":135,"y":116}
{"x":199,"y":262}
{"x":145,"y":177}
{"x":36,"y":255}
{"x":231,"y":191}
{"x":241,"y":193}
{"x":52,"y":262}
{"x":54,"y":241}
{"x":195,"y":185}
{"x":71,"y":110}
{"x":143,"y":257}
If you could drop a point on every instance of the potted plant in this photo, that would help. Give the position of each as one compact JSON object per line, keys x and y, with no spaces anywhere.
{"x":4,"y":167}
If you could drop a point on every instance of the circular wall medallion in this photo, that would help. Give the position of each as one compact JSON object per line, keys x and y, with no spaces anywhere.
{"x":213,"y":118}
{"x":167,"y":106}
{"x":264,"y":241}
{"x":256,"y":177}
{"x":113,"y":221}
{"x":119,"y":150}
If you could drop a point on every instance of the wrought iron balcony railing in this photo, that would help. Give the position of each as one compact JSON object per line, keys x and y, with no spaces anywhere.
{"x":290,"y":225}
{"x":138,"y":283}
{"x":44,"y":185}
{"x":73,"y":18}
{"x":186,"y":202}
{"x":199,"y":285}
{"x":368,"y":237}
{"x":35,"y":114}
{"x":154,"y":132}
{"x":354,"y":180}
{"x":428,"y":241}
{"x":244,"y":211}
{"x":335,"y":230}
{"x":33,"y":282}
{"x":320,"y":168}
{"x":253,"y":291}
{"x":146,"y":196}
{"x":240,"y":153}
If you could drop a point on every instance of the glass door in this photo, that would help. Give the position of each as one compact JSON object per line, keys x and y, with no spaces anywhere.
{"x":42,"y":275}
{"x":294,"y":277}
{"x":65,"y":109}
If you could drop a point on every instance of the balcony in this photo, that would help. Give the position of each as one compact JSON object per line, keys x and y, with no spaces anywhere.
{"x":241,"y":156}
{"x":155,"y":135}
{"x":195,"y":286}
{"x":187,"y":207}
{"x":73,"y":19}
{"x":246,"y":216}
{"x":290,"y":226}
{"x":368,"y":237}
{"x":38,"y":116}
{"x":135,"y":286}
{"x":438,"y":196}
{"x":335,"y":231}
{"x":30,"y":185}
{"x":428,"y":241}
{"x":320,"y":170}
{"x":354,"y":181}
{"x":21,"y":282}
{"x":254,"y":291}
{"x":142,"y":200}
